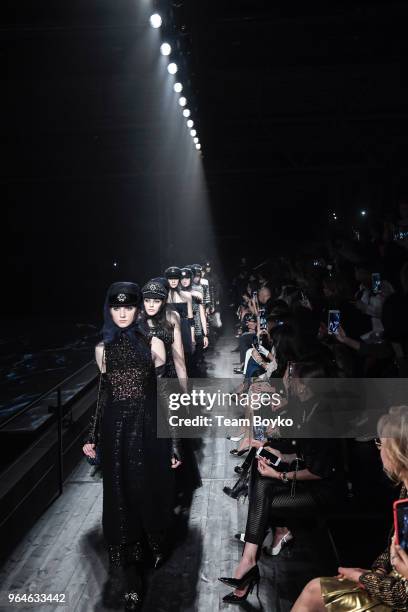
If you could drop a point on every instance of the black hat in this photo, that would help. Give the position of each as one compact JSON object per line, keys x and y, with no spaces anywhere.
{"x":156,"y":288}
{"x":197,"y":269}
{"x":173,"y":272}
{"x":124,"y":294}
{"x":186,"y":273}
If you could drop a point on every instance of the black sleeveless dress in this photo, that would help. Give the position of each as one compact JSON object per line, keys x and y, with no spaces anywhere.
{"x":187,"y":476}
{"x":138,"y":482}
{"x":167,"y":338}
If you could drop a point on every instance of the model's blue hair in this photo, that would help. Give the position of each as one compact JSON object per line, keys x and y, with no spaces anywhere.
{"x":112,"y":332}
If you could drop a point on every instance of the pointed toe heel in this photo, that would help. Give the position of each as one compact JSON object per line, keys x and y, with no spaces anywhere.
{"x":231,"y":598}
{"x":239,"y":583}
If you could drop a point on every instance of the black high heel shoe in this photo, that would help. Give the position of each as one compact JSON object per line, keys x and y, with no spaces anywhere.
{"x":244,"y":467}
{"x":239,"y":488}
{"x":238,"y":453}
{"x":251,"y":576}
{"x":232,"y":598}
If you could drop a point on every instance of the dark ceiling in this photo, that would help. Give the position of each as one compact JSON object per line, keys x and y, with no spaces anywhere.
{"x":301,"y":106}
{"x":295,"y":90}
{"x":298,"y":106}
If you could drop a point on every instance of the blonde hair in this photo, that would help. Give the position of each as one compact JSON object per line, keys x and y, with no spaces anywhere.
{"x":393,"y":429}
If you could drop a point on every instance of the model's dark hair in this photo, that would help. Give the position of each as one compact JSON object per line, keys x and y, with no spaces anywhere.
{"x":159,"y":319}
{"x":284,"y":340}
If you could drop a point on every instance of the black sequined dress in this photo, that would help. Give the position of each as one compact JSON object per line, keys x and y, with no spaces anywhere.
{"x":138,"y":482}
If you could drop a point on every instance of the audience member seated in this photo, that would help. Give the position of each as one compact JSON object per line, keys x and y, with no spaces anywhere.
{"x":383,"y":587}
{"x":308,"y":477}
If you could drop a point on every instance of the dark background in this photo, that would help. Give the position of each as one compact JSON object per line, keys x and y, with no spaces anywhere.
{"x":301,"y":110}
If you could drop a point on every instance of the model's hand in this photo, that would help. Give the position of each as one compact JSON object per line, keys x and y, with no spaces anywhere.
{"x":266,"y":470}
{"x":175,"y":463}
{"x":89,"y":450}
{"x":351,"y":573}
{"x":399,"y":559}
{"x":205,"y":342}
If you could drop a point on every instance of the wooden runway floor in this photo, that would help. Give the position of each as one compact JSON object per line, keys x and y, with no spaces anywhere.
{"x":64,"y":552}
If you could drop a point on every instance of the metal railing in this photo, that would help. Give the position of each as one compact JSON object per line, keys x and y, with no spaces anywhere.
{"x":58,"y":410}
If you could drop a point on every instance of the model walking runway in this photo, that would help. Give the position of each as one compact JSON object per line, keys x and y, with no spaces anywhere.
{"x":64,"y":552}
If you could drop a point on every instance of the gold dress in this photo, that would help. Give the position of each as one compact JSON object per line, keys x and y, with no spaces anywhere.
{"x":384,"y":590}
{"x":346,"y":596}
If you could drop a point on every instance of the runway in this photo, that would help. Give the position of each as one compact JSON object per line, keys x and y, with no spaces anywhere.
{"x":64,"y":552}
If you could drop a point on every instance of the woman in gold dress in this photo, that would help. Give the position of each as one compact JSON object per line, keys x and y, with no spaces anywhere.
{"x":384,"y":587}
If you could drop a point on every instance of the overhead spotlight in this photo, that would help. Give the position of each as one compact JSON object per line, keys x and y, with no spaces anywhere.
{"x":155,"y":20}
{"x":363,"y":213}
{"x":196,"y":140}
{"x":190,"y":123}
{"x":198,"y":146}
{"x":193,"y":133}
{"x":172,"y":68}
{"x":186,"y":112}
{"x":115,"y":264}
{"x":178,"y":87}
{"x":165,"y":49}
{"x":182,"y":101}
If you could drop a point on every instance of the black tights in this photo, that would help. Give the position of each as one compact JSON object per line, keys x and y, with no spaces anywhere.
{"x":262,"y":492}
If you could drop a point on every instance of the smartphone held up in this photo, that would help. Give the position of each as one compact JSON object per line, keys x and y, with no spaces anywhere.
{"x":333,"y":323}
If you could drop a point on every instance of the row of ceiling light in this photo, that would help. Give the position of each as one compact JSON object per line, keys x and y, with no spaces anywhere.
{"x":172,"y":68}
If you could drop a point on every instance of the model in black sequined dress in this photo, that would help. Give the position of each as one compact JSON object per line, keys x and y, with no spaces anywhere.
{"x":138,"y":482}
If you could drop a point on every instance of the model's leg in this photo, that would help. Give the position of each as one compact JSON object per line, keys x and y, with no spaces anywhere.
{"x":258,"y":513}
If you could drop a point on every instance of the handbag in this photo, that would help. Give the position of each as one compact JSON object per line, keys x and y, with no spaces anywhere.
{"x":96,"y":461}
